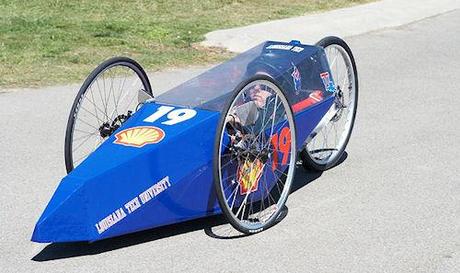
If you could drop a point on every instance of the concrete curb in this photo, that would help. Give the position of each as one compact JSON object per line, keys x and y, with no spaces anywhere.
{"x":342,"y":22}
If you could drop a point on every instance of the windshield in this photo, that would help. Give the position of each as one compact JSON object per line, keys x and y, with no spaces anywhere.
{"x":211,"y":89}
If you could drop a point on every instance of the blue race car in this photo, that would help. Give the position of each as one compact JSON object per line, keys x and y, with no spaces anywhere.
{"x":225,"y":142}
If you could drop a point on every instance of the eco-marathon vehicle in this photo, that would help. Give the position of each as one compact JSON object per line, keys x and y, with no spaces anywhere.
{"x":225,"y":141}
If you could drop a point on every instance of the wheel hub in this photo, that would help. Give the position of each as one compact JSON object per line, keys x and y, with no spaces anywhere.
{"x":247,"y":149}
{"x":107,"y":128}
{"x":339,"y":104}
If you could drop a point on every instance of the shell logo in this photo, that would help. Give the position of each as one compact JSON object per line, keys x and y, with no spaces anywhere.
{"x":139,"y":136}
{"x":249,"y":175}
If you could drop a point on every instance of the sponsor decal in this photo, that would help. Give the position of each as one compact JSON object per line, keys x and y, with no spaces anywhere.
{"x":139,"y":136}
{"x":281,"y":47}
{"x":314,"y":97}
{"x":327,"y":81}
{"x":248,"y":176}
{"x":132,"y":205}
{"x":296,"y":77}
{"x":296,"y":49}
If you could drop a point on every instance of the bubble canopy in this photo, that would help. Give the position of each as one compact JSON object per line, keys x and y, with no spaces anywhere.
{"x":211,"y":89}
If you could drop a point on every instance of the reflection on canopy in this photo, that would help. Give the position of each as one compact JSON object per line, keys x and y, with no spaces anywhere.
{"x":211,"y":89}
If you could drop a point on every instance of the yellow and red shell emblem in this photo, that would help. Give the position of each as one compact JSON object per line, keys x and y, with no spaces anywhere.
{"x":249,"y":175}
{"x":139,"y":136}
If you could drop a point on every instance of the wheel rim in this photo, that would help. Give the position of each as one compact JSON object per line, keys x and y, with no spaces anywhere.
{"x":253,"y":186}
{"x":108,"y":101}
{"x":329,"y":142}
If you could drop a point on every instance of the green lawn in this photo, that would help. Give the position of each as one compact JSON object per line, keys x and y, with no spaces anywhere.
{"x":46,"y":42}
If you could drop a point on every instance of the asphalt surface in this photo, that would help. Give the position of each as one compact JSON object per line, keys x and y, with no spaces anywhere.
{"x":345,"y":22}
{"x":393,"y":205}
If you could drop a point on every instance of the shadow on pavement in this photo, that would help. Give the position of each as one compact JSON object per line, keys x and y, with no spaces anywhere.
{"x":210,"y":225}
{"x":66,"y":250}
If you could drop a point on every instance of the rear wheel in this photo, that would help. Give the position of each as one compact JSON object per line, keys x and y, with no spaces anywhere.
{"x":107,"y":98}
{"x":255,"y":155}
{"x":327,"y":143}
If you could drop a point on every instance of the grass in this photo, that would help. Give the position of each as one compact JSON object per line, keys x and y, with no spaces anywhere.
{"x":45,"y":42}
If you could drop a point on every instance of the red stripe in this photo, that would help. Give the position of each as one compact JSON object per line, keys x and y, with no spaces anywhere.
{"x":303,"y":104}
{"x":314,"y":97}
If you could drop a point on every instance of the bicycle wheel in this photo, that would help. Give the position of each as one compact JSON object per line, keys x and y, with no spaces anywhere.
{"x":107,"y":98}
{"x":255,"y":155}
{"x":327,"y":143}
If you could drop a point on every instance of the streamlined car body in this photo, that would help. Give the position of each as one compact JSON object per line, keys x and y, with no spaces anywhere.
{"x":157,"y":168}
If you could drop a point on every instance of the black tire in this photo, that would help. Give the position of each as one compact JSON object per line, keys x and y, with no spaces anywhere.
{"x":230,"y":216}
{"x":307,"y":160}
{"x":79,"y":100}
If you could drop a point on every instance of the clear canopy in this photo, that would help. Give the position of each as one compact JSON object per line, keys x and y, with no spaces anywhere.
{"x":211,"y":89}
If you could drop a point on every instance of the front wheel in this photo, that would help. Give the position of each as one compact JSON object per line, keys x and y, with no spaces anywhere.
{"x":327,"y":143}
{"x":107,"y":98}
{"x":255,"y":155}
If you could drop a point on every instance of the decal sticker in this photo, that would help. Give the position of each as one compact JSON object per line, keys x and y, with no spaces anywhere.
{"x":110,"y":220}
{"x":139,"y":136}
{"x":281,"y":143}
{"x":155,"y":190}
{"x":249,"y":175}
{"x":296,"y":77}
{"x":132,"y":205}
{"x":282,"y":47}
{"x":327,"y":81}
{"x":314,"y":97}
{"x":174,"y":115}
{"x":296,"y":49}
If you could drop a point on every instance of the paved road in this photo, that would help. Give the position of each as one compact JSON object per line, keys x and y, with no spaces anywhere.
{"x":344,"y":22}
{"x":392,"y":206}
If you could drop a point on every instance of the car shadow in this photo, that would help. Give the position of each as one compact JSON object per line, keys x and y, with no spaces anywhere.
{"x":304,"y":177}
{"x":213,"y":226}
{"x":55,"y":251}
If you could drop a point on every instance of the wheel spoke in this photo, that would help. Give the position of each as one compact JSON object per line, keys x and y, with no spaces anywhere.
{"x":102,"y":111}
{"x":329,"y":143}
{"x":260,"y":191}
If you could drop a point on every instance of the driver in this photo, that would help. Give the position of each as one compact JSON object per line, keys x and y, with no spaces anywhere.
{"x":248,"y":119}
{"x":249,"y":112}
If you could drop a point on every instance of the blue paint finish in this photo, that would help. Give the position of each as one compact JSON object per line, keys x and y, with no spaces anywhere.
{"x":307,"y":119}
{"x":114,"y":174}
